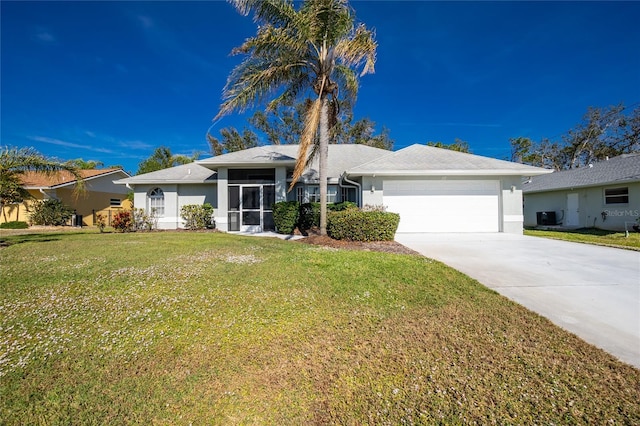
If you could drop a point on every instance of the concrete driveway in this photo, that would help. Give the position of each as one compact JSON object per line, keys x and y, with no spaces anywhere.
{"x":591,"y":291}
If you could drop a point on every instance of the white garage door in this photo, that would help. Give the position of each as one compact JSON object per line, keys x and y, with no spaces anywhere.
{"x":444,"y":206}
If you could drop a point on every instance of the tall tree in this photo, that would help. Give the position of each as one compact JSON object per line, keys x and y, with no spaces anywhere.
{"x":162,"y":158}
{"x":457,"y":145}
{"x":604,"y":132}
{"x":232,"y":141}
{"x":16,"y":161}
{"x":285,"y":124}
{"x":307,"y":52}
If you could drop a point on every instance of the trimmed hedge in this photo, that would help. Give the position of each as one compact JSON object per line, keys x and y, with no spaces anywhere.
{"x":285,"y":216}
{"x":14,"y":225}
{"x":309,"y":216}
{"x":358,"y":225}
{"x":310,"y":213}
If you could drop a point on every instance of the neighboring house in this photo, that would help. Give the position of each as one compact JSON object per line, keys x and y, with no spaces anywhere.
{"x":433,"y":189}
{"x":604,"y":195}
{"x":101,"y":195}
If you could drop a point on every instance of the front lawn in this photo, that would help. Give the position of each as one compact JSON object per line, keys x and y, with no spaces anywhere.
{"x":592,"y":236}
{"x":210,"y":328}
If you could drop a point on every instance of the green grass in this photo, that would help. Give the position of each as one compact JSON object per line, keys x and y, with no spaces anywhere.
{"x":592,"y":236}
{"x":209,"y":328}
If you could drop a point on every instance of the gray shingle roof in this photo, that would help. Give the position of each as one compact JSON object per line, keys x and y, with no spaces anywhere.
{"x":621,"y":169}
{"x":187,"y":173}
{"x":341,"y":157}
{"x":427,"y":160}
{"x":268,"y":154}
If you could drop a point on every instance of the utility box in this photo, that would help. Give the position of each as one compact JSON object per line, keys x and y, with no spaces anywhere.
{"x":546,"y":218}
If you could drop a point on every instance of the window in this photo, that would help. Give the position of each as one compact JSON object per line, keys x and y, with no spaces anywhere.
{"x":314,"y":194}
{"x":114,"y":202}
{"x":156,"y":202}
{"x":332,"y":194}
{"x":616,"y":195}
{"x":300,"y":194}
{"x":348,"y":194}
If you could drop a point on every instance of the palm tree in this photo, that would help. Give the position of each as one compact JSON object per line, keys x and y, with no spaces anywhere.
{"x":311,"y":51}
{"x":15,"y":161}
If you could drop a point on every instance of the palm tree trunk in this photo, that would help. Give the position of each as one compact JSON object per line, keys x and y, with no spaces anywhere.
{"x":324,"y":157}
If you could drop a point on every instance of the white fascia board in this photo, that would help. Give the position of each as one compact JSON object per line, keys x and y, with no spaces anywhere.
{"x":248,"y":165}
{"x":451,"y":173}
{"x":163,"y":182}
{"x":590,"y":185}
{"x":62,"y":185}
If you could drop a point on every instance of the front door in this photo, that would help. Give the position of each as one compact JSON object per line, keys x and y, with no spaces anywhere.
{"x":250,"y":208}
{"x":573,"y":211}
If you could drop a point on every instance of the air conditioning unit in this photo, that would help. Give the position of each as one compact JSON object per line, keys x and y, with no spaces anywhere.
{"x":546,"y":218}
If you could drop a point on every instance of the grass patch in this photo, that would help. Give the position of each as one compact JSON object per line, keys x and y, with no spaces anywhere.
{"x":210,"y":328}
{"x":592,"y":236}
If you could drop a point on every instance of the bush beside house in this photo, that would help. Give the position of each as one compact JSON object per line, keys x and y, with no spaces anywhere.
{"x":285,"y":216}
{"x":50,"y":212}
{"x":197,"y":216}
{"x":344,"y":221}
{"x":359,"y":225}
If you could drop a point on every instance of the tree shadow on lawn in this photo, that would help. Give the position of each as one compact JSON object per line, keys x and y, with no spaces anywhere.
{"x":44,"y":237}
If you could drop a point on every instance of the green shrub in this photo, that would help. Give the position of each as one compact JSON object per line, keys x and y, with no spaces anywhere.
{"x":309,"y":216}
{"x":122,"y":221}
{"x":14,"y":225}
{"x":338,"y":207}
{"x":285,"y":216}
{"x":197,"y":216}
{"x":50,"y":212}
{"x":358,"y":225}
{"x":141,"y":221}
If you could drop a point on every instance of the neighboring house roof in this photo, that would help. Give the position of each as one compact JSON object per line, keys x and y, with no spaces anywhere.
{"x":186,"y":173}
{"x":423,"y":160}
{"x":622,"y":169}
{"x":36,"y":180}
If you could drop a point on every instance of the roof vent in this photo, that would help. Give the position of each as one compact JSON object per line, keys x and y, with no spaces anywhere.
{"x":590,"y":165}
{"x":188,"y":171}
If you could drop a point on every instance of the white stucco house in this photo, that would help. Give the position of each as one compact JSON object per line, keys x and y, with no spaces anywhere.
{"x":605,"y":195}
{"x":433,"y":189}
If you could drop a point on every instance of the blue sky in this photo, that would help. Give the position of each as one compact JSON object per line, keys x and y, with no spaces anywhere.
{"x":110,"y":81}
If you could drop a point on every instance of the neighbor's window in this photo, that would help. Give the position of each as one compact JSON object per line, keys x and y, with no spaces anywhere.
{"x":616,"y":195}
{"x":156,"y":201}
{"x":114,"y":202}
{"x":300,"y":194}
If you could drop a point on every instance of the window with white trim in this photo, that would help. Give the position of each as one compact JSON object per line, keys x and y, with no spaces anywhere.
{"x":114,"y":202}
{"x":332,"y":194}
{"x":616,"y":195}
{"x":300,"y":194}
{"x":314,"y":194}
{"x":156,"y":201}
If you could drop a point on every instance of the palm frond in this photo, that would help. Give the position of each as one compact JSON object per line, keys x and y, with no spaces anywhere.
{"x":347,"y":79}
{"x":272,"y":11}
{"x":15,"y":161}
{"x":306,"y":140}
{"x":359,"y":49}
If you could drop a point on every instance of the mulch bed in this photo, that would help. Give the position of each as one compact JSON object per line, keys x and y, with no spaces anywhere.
{"x":314,"y":238}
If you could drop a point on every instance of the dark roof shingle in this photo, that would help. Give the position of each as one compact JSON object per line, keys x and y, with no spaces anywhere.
{"x":622,"y":169}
